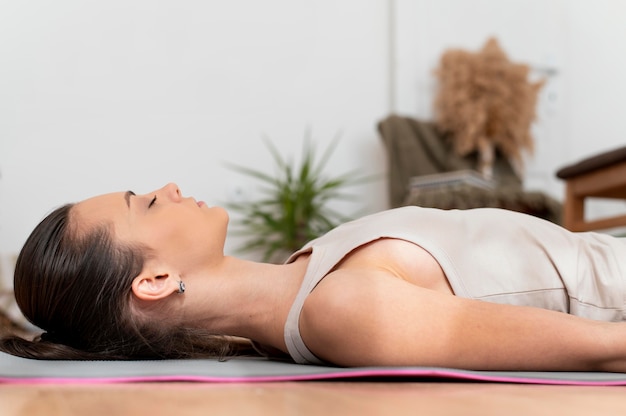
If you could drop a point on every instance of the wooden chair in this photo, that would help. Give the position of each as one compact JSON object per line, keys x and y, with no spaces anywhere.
{"x":600,"y":176}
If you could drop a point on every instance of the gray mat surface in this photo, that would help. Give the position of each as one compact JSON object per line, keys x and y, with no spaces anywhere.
{"x":20,"y":370}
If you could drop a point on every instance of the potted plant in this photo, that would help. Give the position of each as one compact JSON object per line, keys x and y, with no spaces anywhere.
{"x":294,"y":207}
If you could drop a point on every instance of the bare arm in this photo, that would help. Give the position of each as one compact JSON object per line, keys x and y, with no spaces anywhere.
{"x":355,"y":319}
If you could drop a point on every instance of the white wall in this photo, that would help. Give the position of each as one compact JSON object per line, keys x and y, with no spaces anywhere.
{"x":99,"y":96}
{"x":597,"y":67}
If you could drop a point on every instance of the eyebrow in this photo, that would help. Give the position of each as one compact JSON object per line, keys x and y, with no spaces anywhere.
{"x":127,"y":196}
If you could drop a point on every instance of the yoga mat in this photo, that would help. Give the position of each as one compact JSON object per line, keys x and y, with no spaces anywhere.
{"x":243,"y":369}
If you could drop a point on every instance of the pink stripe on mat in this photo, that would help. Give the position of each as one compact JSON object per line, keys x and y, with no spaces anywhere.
{"x":412,"y":374}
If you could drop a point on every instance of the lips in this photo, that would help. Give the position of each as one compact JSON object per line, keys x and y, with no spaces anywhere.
{"x":200,"y":204}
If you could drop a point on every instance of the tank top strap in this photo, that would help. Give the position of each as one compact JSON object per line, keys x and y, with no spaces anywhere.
{"x":319,"y":266}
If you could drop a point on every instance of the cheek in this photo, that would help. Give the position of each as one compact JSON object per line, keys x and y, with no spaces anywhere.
{"x":187,"y":237}
{"x":182,"y":239}
{"x":160,"y":236}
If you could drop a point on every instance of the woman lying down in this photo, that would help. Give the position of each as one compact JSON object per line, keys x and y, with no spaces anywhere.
{"x":125,"y":276}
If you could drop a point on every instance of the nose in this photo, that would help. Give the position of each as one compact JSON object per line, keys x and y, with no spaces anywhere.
{"x":172,"y":192}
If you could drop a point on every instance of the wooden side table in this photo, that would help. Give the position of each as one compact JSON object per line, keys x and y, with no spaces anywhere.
{"x":600,"y":176}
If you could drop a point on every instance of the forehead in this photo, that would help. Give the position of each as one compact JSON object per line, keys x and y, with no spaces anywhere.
{"x":108,"y":208}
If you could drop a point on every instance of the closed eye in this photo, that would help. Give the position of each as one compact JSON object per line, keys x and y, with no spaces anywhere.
{"x":152,"y":202}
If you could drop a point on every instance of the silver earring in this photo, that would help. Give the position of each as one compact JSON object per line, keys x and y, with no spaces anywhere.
{"x":181,"y":287}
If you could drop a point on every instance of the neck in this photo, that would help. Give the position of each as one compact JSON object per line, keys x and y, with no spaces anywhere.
{"x":244,"y":298}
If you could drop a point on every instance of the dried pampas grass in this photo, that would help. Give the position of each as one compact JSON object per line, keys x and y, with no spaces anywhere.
{"x":486,"y":103}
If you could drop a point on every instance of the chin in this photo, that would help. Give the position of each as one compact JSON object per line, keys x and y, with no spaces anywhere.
{"x":222,"y":212}
{"x":221,"y":215}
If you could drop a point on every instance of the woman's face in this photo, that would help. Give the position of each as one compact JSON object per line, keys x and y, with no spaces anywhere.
{"x":179,"y":231}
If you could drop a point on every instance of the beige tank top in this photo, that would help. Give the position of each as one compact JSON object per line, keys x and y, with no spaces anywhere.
{"x":488,"y":254}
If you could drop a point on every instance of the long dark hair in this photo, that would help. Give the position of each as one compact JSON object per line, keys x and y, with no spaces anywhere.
{"x":76,"y":286}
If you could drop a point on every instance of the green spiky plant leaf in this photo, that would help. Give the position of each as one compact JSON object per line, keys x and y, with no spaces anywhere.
{"x":294,"y":207}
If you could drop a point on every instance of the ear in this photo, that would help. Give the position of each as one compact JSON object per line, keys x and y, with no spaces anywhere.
{"x":150,"y":285}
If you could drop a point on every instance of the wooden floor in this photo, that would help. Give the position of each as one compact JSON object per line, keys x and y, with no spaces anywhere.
{"x":310,"y":398}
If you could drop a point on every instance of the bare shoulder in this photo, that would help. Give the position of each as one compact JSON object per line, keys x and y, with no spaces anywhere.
{"x":338,"y":304}
{"x":354,"y":315}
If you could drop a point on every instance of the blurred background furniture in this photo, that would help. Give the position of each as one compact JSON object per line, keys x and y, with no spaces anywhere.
{"x":600,"y":176}
{"x":415,"y":149}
